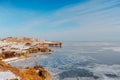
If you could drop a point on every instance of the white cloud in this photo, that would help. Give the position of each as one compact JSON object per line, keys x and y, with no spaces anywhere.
{"x":91,"y":20}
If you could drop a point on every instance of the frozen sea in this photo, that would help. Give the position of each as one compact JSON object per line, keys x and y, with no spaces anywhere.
{"x":79,"y":61}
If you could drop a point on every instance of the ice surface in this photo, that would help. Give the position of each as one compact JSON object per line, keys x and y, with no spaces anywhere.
{"x":117,"y":49}
{"x":78,"y":61}
{"x":31,"y":61}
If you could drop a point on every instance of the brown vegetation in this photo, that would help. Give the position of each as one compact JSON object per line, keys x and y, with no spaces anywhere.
{"x":36,"y":73}
{"x":28,"y":42}
{"x":19,"y":40}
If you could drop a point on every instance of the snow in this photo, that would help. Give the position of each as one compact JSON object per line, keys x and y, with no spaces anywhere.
{"x":7,"y":75}
{"x":20,"y":46}
{"x":13,"y":46}
{"x":10,"y":59}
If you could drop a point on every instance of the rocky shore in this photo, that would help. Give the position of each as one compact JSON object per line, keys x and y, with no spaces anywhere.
{"x":14,"y":48}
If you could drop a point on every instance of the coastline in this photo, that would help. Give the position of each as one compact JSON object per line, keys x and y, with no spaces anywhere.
{"x":29,"y":73}
{"x":15,"y":49}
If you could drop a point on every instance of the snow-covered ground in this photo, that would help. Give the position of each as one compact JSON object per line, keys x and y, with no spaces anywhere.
{"x":11,"y":46}
{"x":8,"y":75}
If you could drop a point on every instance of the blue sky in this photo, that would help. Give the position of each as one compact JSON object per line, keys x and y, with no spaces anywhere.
{"x":62,"y":20}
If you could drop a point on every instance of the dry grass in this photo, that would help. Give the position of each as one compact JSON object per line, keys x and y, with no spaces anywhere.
{"x":19,"y":40}
{"x":27,"y":74}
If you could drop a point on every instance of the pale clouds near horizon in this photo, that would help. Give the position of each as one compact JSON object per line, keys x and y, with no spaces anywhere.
{"x":94,"y":20}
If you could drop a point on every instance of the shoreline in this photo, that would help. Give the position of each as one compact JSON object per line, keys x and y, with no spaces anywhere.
{"x":28,"y":73}
{"x":15,"y":49}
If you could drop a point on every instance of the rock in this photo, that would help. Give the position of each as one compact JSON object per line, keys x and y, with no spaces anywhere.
{"x":23,"y":47}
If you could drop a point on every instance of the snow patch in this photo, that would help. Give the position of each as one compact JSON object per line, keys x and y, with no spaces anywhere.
{"x":7,"y":75}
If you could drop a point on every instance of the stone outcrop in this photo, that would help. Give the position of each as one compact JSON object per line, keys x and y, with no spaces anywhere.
{"x":52,"y":44}
{"x":17,"y":47}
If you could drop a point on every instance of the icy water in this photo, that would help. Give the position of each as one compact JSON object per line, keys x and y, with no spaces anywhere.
{"x":82,"y":61}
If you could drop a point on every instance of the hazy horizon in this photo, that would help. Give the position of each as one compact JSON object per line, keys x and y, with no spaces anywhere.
{"x":61,"y":20}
